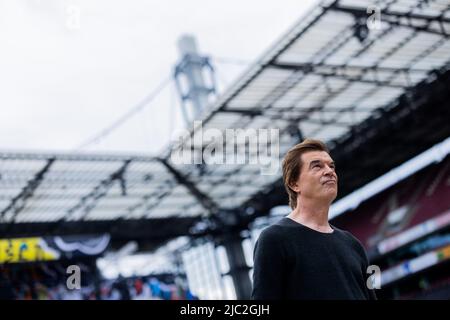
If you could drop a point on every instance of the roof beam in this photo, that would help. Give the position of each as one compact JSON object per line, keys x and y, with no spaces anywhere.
{"x":342,"y":72}
{"x":202,"y":198}
{"x":331,"y":122}
{"x":338,"y":74}
{"x":291,"y":81}
{"x":19,"y":202}
{"x":375,"y":89}
{"x":312,"y":67}
{"x":403,"y":19}
{"x":90,"y":200}
{"x":243,"y":111}
{"x":4,"y":155}
{"x":426,"y":28}
{"x":362,"y":12}
{"x":156,"y":229}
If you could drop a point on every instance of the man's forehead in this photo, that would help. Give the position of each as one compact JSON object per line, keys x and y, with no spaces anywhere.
{"x":310,"y":156}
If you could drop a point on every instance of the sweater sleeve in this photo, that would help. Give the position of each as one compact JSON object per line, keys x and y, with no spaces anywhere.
{"x":268,"y":266}
{"x":370,"y":293}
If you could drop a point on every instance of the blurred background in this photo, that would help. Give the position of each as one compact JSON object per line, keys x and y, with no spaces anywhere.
{"x":99,"y":98}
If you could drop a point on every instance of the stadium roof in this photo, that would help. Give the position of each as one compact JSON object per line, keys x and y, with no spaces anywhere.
{"x":324,"y":78}
{"x":327,"y":76}
{"x":50,"y":193}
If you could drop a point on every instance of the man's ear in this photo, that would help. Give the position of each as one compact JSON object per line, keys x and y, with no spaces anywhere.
{"x":294,"y":186}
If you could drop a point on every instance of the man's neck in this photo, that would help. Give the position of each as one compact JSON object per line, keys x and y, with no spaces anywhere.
{"x":314,"y":216}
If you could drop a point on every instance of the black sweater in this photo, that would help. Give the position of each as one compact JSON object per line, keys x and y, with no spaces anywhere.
{"x":292,"y":261}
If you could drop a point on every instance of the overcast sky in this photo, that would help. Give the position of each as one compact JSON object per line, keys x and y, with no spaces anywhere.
{"x":69,"y":68}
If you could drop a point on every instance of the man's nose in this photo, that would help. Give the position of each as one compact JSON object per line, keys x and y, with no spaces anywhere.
{"x":329,"y":170}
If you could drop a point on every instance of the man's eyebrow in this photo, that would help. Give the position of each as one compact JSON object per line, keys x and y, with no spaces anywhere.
{"x":314,"y":162}
{"x":318,"y":162}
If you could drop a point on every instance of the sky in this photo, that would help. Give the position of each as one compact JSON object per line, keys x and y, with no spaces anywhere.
{"x":70,"y":68}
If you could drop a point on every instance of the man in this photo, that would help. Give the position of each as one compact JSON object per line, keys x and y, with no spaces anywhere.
{"x":302,"y":256}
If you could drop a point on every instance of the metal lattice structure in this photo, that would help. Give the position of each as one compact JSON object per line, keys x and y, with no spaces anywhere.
{"x":322,"y":79}
{"x":327,"y":75}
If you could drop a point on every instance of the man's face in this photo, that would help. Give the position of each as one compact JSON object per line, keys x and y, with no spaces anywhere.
{"x":318,"y":178}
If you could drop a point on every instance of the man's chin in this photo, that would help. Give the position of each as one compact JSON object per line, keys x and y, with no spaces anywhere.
{"x":331,"y":194}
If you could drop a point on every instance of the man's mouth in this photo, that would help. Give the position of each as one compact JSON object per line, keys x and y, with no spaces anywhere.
{"x":330,"y":182}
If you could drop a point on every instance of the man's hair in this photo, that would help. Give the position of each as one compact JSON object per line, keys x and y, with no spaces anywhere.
{"x":292,"y":165}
